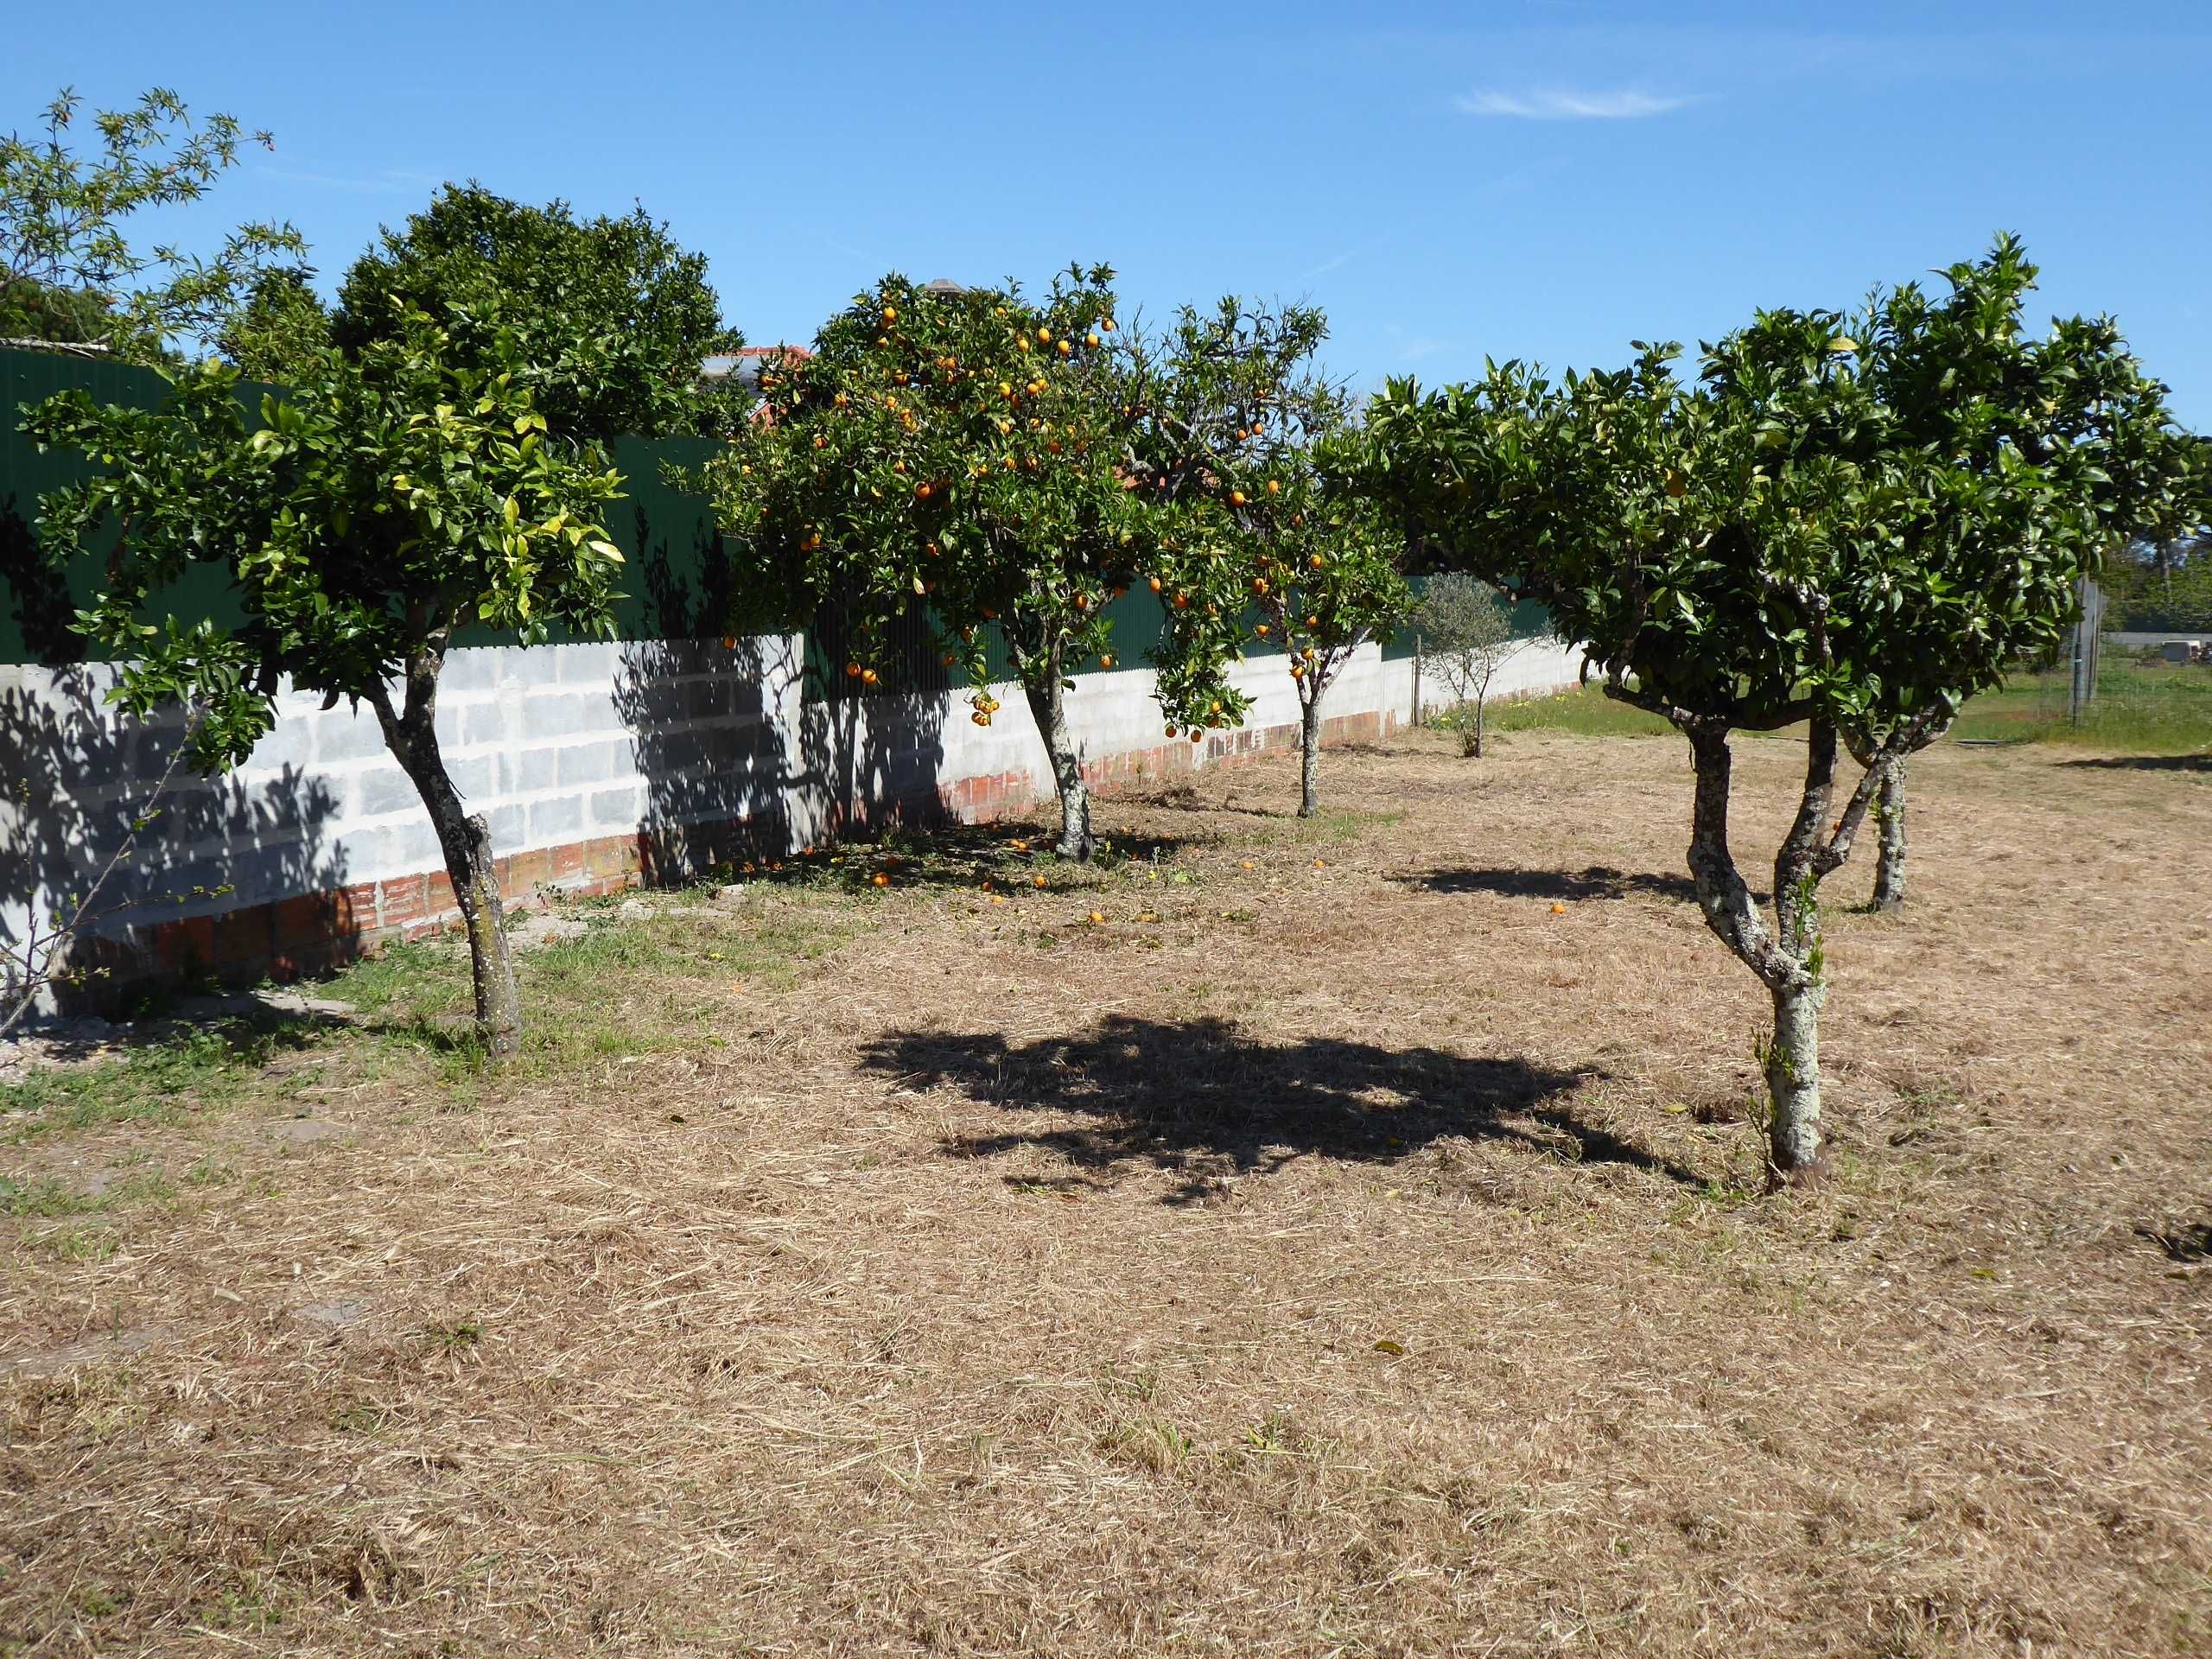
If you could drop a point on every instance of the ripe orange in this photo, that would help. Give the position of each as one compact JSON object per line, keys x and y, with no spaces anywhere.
{"x":1037,"y":881}
{"x":852,"y":670}
{"x":1156,"y":584}
{"x":880,"y":880}
{"x":1317,"y":561}
{"x":1097,"y":917}
{"x":1106,"y":660}
{"x":868,"y":676}
{"x":1274,"y":486}
{"x":1197,"y":737}
{"x":1236,"y":498}
{"x":891,"y":314}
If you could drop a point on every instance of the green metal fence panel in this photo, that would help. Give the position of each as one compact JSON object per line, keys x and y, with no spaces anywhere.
{"x":678,"y":585}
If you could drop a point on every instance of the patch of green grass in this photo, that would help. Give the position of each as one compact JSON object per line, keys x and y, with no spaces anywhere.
{"x":1585,"y":712}
{"x":155,"y":1083}
{"x":45,"y":1197}
{"x":404,"y":982}
{"x":2137,"y":710}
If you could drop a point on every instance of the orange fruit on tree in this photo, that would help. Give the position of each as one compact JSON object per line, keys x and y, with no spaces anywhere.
{"x":1156,"y":584}
{"x":852,"y":670}
{"x":1274,"y":486}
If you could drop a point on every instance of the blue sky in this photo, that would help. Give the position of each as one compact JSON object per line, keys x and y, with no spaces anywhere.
{"x":1534,"y":178}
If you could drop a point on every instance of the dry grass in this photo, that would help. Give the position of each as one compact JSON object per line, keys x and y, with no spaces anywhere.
{"x":1357,"y":1258}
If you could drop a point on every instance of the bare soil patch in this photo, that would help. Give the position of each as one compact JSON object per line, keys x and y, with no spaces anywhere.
{"x":1349,"y":1244}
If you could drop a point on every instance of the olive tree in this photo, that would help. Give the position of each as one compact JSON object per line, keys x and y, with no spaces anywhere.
{"x":1466,"y":635}
{"x":960,"y":455}
{"x":1732,"y":565}
{"x":1236,"y":412}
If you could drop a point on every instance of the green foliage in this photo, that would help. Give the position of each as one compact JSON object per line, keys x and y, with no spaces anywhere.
{"x":31,"y":309}
{"x":396,"y":493}
{"x":605,"y":321}
{"x":1235,"y":411}
{"x":2165,"y":589}
{"x":1584,"y":712}
{"x":62,"y":228}
{"x":280,"y":333}
{"x":1861,"y":518}
{"x":960,"y":455}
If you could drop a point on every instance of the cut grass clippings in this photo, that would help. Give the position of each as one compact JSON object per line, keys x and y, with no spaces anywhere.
{"x":1349,"y":1241}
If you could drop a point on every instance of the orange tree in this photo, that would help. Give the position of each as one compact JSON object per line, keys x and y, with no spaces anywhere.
{"x":1775,"y":544}
{"x":962,"y":455}
{"x":1236,"y":411}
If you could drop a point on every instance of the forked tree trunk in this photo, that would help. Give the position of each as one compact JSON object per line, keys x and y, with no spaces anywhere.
{"x":411,"y":735}
{"x":1047,"y":692}
{"x":1309,"y":751}
{"x":1786,"y":957}
{"x":1889,"y":816}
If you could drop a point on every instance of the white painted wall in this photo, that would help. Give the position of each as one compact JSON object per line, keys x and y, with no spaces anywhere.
{"x":555,"y":745}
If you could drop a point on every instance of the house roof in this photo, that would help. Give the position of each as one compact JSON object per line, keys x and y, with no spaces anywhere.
{"x":745,"y":364}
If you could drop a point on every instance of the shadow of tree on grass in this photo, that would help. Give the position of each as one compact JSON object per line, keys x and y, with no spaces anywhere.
{"x":1596,"y":882}
{"x":2145,"y":762}
{"x":1202,"y":1100}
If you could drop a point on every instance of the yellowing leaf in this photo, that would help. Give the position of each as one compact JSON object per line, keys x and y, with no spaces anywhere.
{"x":608,"y":551}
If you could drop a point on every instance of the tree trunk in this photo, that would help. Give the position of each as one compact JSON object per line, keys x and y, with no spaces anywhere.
{"x":1047,"y":702}
{"x":1793,"y":1083}
{"x":465,"y":841}
{"x":1889,"y":815}
{"x":1309,"y":754}
{"x":1787,"y":958}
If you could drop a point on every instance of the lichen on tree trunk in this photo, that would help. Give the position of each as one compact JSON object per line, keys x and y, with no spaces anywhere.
{"x":1889,"y":816}
{"x":1309,"y":751}
{"x":410,"y":733}
{"x":1045,"y":687}
{"x":1794,"y":1151}
{"x":1787,"y":956}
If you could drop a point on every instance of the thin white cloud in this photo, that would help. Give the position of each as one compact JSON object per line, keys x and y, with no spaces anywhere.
{"x":1556,"y":106}
{"x":1326,"y":266}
